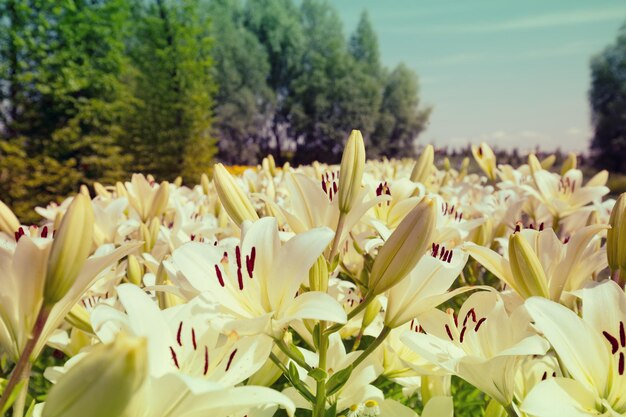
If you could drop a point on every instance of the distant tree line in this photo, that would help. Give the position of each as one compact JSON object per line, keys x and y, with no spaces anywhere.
{"x":607,"y":97}
{"x":91,"y":90}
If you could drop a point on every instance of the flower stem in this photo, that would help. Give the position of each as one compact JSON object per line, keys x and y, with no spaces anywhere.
{"x":340,"y":223}
{"x":283,"y":346}
{"x":371,"y":348}
{"x":23,"y":363}
{"x":320,"y":395}
{"x":510,"y":410}
{"x":368,"y":299}
{"x":18,"y":405}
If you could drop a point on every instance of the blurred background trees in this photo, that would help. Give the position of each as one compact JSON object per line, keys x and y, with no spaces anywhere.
{"x":93,"y":90}
{"x":607,"y":98}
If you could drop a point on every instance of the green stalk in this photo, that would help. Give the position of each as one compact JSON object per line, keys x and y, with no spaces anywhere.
{"x":510,"y":410}
{"x":340,"y":223}
{"x":23,"y":363}
{"x":371,"y":348}
{"x":320,"y":395}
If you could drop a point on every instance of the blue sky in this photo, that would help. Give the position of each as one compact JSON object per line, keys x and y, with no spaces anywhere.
{"x":509,"y":73}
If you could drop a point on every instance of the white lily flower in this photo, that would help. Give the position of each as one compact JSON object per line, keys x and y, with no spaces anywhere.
{"x":317,"y":206}
{"x":566,"y":266}
{"x":483,"y":345}
{"x":564,"y":195}
{"x":592,"y":349}
{"x":258,"y":283}
{"x":426,"y":286}
{"x":23,"y":268}
{"x":192,"y":367}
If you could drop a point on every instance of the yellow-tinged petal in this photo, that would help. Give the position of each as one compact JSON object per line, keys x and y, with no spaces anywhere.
{"x":8,"y":222}
{"x":70,"y":249}
{"x":351,"y":171}
{"x":102,"y":384}
{"x":234,"y":200}
{"x":404,"y":248}
{"x":526,"y":268}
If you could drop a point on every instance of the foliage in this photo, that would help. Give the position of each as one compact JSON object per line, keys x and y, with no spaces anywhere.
{"x":607,"y":97}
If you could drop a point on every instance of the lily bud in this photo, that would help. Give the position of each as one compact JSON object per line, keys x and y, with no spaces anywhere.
{"x":8,"y":222}
{"x":70,"y":249}
{"x":464,"y":167}
{"x":486,"y":160}
{"x":85,"y":191}
{"x":234,"y":200}
{"x":121,"y":190}
{"x":424,"y":165}
{"x":570,"y":163}
{"x":526,"y":268}
{"x":548,"y":161}
{"x":404,"y":248}
{"x":154,"y":227}
{"x":534,"y":164}
{"x":269,"y":165}
{"x":103,"y":383}
{"x":178,"y":181}
{"x":483,"y":234}
{"x":351,"y":171}
{"x":159,"y":201}
{"x":100,"y":190}
{"x":371,"y":312}
{"x":616,"y":236}
{"x":146,"y":236}
{"x":318,"y":275}
{"x":446,"y":164}
{"x":134,"y":270}
{"x":205,"y":183}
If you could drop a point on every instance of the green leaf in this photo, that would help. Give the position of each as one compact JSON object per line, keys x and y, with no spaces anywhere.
{"x":318,"y":374}
{"x":338,"y":380}
{"x":332,"y":411}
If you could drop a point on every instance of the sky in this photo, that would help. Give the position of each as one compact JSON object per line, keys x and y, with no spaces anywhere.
{"x":513,"y":74}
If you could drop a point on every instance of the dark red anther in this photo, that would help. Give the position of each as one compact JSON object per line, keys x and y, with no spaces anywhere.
{"x":193,"y":338}
{"x":174,"y":357}
{"x":449,"y":332}
{"x":620,"y":366}
{"x":612,"y":340}
{"x":462,"y":334}
{"x":206,"y":360}
{"x":449,"y":258}
{"x":545,"y":376}
{"x":622,"y":334}
{"x":518,"y":228}
{"x":44,"y":231}
{"x":471,"y":313}
{"x":541,"y":226}
{"x":178,"y":334}
{"x":335,"y":187}
{"x":218,"y":272}
{"x":480,"y":322}
{"x":238,"y":256}
{"x":230,"y":359}
{"x":240,"y":278}
{"x":324,"y":186}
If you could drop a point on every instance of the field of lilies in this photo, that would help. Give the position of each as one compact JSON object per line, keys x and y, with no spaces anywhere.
{"x":373,"y":288}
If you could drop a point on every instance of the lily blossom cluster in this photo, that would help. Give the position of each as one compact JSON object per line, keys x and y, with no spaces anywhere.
{"x":312,"y":290}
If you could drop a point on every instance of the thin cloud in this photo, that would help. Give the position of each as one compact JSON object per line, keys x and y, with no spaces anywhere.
{"x":549,"y":20}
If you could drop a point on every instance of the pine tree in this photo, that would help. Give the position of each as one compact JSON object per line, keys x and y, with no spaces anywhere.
{"x":169,"y":129}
